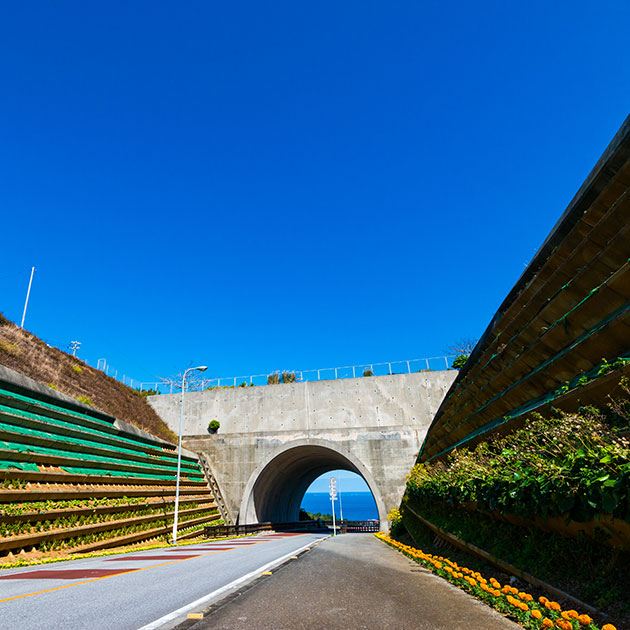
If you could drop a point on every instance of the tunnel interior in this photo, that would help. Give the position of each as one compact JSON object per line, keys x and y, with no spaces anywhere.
{"x":278,"y":491}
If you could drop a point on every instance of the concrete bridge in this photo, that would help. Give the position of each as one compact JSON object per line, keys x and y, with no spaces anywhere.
{"x":275,"y":440}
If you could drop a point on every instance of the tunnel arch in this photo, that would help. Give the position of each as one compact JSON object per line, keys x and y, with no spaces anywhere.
{"x":275,"y":489}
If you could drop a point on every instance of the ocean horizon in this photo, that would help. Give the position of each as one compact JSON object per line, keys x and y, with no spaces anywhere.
{"x":357,"y":506}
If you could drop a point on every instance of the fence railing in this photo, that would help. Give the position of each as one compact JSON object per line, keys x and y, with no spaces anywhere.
{"x":221,"y":531}
{"x":408,"y":366}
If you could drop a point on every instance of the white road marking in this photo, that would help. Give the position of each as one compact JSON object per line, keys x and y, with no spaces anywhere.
{"x":206,"y":598}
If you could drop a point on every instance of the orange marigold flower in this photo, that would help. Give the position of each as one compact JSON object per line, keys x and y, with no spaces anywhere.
{"x":543,"y":600}
{"x":608,"y":626}
{"x":585,"y":620}
{"x":536,"y":614}
{"x":547,"y":623}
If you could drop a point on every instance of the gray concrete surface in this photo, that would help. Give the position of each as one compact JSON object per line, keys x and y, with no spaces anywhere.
{"x":276,"y":439}
{"x":353,"y":582}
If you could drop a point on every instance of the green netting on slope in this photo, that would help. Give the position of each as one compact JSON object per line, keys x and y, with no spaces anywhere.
{"x":116,"y":473}
{"x":577,"y":381}
{"x":620,"y":311}
{"x":562,"y":320}
{"x":52,"y":407}
{"x":41,"y":450}
{"x":7,"y":465}
{"x":77,"y":414}
{"x":12,"y":428}
{"x":20,"y":413}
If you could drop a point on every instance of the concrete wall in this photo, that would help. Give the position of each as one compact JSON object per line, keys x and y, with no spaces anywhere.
{"x":372,"y":425}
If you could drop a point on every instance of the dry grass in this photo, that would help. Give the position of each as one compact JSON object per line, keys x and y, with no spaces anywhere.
{"x":25,"y":353}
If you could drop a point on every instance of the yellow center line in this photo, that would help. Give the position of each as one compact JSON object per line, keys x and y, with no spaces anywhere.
{"x":155,"y":566}
{"x":104,"y":577}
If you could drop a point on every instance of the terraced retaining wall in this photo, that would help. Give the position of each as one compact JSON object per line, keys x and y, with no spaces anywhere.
{"x":74,"y":478}
{"x":562,"y":335}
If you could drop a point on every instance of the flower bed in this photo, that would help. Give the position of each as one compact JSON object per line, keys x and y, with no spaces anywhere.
{"x":518,"y":605}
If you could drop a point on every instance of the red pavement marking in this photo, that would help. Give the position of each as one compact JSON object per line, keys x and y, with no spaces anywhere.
{"x":203,"y":549}
{"x":63,"y":574}
{"x":134,"y":558}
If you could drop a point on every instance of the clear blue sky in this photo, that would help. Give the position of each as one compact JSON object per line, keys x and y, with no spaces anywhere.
{"x":286,"y":186}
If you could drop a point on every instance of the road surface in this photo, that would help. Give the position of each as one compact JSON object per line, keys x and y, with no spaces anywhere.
{"x":147,"y":589}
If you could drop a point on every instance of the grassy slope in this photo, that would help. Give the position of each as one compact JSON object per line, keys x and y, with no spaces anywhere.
{"x":25,"y":353}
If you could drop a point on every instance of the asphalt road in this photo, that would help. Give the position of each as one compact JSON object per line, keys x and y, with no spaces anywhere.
{"x":351,"y":582}
{"x":147,"y":589}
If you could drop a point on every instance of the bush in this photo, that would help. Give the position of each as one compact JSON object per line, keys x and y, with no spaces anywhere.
{"x":368,"y":372}
{"x":86,"y":400}
{"x":574,"y":464}
{"x":460,"y":361}
{"x":288,"y":377}
{"x":77,"y":369}
{"x":214,"y":426}
{"x":273,"y":379}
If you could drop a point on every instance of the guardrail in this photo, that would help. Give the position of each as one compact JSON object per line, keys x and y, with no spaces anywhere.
{"x":407,"y":366}
{"x":221,"y":531}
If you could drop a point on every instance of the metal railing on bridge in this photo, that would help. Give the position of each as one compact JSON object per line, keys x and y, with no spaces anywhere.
{"x":407,"y":366}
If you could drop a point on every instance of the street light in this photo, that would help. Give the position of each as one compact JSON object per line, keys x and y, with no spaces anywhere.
{"x":201,"y":368}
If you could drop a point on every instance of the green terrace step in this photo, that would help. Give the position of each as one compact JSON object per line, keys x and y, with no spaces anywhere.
{"x":30,"y":453}
{"x":61,"y":427}
{"x":8,"y":465}
{"x":116,"y":491}
{"x":19,"y":402}
{"x":26,"y":471}
{"x":36,"y":437}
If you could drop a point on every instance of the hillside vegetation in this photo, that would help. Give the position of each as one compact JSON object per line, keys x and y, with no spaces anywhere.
{"x":559,"y":485}
{"x":25,"y":353}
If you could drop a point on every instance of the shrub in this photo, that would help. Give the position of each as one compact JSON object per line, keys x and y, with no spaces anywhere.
{"x":288,"y":377}
{"x":368,"y":372}
{"x":86,"y":400}
{"x":273,"y":379}
{"x":77,"y":369}
{"x":460,"y":361}
{"x":574,"y":464}
{"x":213,"y":426}
{"x":51,"y":385}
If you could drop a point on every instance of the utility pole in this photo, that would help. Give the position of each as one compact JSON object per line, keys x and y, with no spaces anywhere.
{"x":28,"y":293}
{"x":74,"y":346}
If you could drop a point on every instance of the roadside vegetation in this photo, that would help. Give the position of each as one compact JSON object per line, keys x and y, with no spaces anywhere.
{"x":552,"y":498}
{"x":520,"y":605}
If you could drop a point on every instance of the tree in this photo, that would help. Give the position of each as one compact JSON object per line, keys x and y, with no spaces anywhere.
{"x":462,"y":346}
{"x":462,"y":349}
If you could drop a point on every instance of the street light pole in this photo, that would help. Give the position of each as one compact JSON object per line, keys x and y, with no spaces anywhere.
{"x":201,"y":368}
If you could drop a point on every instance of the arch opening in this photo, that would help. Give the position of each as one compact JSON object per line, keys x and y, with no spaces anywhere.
{"x":275,"y":492}
{"x":355,"y":501}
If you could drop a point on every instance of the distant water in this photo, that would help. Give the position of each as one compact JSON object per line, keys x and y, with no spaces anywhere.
{"x":357,"y":506}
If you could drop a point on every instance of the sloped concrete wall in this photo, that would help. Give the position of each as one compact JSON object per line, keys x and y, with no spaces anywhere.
{"x":371,"y":425}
